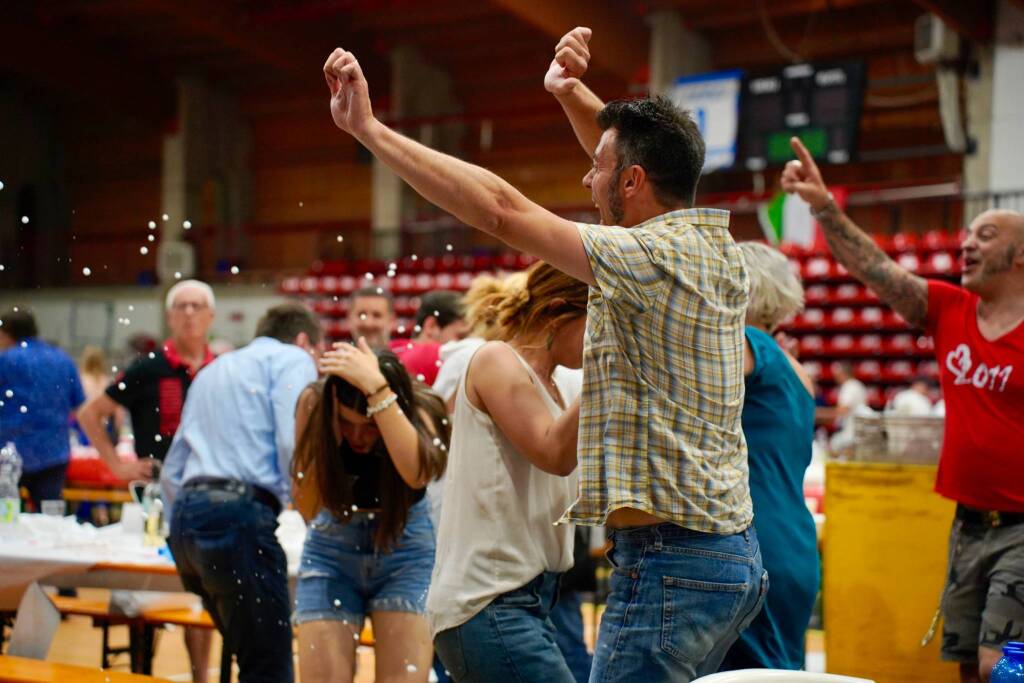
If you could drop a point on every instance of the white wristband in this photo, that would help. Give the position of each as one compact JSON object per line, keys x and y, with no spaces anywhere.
{"x":381,"y":406}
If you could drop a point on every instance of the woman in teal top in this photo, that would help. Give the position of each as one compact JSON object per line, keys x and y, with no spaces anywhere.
{"x":778,"y":422}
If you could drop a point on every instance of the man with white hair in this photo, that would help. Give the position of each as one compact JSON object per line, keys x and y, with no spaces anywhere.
{"x":978,"y":330}
{"x":153,"y":390}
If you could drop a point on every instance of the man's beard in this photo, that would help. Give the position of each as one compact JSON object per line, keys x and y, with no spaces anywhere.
{"x":1000,"y":264}
{"x":615,"y":200}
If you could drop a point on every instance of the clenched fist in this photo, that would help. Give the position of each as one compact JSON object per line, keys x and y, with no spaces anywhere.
{"x":572,"y":56}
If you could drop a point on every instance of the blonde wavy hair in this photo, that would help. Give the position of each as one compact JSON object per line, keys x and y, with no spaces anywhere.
{"x":483,"y":297}
{"x":548,"y":300}
{"x":776,"y":292}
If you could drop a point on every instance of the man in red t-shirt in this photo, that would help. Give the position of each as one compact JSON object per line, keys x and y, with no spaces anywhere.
{"x":439,"y":319}
{"x":978,"y":330}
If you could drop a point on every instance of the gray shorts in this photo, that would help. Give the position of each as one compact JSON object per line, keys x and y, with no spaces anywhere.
{"x":983,"y":602}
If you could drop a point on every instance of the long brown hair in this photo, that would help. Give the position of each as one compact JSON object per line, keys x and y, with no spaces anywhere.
{"x":319,"y":452}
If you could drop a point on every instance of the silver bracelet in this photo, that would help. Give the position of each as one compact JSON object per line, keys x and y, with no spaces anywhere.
{"x":381,"y":406}
{"x":830,"y":205}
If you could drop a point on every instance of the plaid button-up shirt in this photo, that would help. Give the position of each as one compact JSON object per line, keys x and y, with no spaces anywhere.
{"x":660,"y":426}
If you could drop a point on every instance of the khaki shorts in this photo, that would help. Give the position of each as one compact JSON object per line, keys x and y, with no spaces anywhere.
{"x":983,"y":602}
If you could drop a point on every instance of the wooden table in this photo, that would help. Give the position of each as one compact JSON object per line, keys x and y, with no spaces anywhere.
{"x":19,"y":670}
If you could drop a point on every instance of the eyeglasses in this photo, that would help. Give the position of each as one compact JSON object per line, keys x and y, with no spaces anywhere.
{"x":185,"y":306}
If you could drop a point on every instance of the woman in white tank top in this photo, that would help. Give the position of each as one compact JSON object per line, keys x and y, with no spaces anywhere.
{"x":499,"y":551}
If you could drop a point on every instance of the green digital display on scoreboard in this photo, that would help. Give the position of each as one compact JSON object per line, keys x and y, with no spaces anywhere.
{"x":819,"y":103}
{"x":778,"y":151}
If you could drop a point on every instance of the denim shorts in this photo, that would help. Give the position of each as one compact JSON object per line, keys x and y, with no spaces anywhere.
{"x":342,"y":575}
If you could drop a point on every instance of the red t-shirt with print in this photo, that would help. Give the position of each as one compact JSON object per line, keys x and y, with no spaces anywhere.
{"x":982,"y":463}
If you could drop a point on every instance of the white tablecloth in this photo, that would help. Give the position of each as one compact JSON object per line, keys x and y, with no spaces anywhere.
{"x":59,"y":551}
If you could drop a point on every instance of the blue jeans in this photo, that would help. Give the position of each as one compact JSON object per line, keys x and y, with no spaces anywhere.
{"x":343,"y":575}
{"x":224,"y":545}
{"x":678,"y":599}
{"x":511,"y":640}
{"x":568,"y":621}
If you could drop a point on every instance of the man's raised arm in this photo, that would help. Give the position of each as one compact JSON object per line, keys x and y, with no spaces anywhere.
{"x":905,"y":292}
{"x":581,"y":105}
{"x":472,"y":194}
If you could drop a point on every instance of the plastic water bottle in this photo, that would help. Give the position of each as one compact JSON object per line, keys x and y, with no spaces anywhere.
{"x":153,"y":509}
{"x":10,"y":475}
{"x":1009,"y":669}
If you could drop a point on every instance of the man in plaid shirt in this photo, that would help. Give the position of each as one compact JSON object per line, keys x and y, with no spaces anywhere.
{"x":662,"y":458}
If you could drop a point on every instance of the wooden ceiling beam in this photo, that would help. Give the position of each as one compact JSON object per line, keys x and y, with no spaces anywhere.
{"x":721,"y":17}
{"x":620,"y":44}
{"x":972,"y":20}
{"x":417,"y":15}
{"x":753,"y":50}
{"x":74,"y":70}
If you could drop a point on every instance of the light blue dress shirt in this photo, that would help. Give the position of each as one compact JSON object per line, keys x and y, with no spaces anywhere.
{"x":239,"y":419}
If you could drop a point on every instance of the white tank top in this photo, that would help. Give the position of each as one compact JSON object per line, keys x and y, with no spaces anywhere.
{"x":497,"y":529}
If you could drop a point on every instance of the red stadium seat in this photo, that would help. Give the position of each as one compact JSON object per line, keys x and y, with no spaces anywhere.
{"x":290,"y":285}
{"x":909,"y":261}
{"x":410,"y":264}
{"x":876,"y":397}
{"x":463,"y":280}
{"x":884,"y":242}
{"x":842,"y":318}
{"x":483,"y":262}
{"x":870,"y":318}
{"x":404,"y":306}
{"x":868,"y":370}
{"x":847,"y":293}
{"x":843,"y":345}
{"x":928,"y":368}
{"x":424,"y":282}
{"x":404,"y":284}
{"x":817,"y":294}
{"x":940,"y":263}
{"x":817,"y":269}
{"x":904,"y":242}
{"x":898,"y":371}
{"x":309,"y":284}
{"x":811,"y":345}
{"x":900,"y":344}
{"x":894,"y":321}
{"x":933,"y":240}
{"x":328,"y":284}
{"x":810,"y":319}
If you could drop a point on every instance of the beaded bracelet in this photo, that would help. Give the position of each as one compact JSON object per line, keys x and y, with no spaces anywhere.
{"x":383,"y":405}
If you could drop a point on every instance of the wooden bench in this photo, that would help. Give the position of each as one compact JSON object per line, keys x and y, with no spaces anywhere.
{"x":20,"y":670}
{"x":97,"y":495}
{"x":141,"y":629}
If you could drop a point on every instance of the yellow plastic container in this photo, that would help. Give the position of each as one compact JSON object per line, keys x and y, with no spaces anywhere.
{"x":885,"y":539}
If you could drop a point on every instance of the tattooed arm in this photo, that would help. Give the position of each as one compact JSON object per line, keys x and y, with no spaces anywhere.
{"x":897,"y":287}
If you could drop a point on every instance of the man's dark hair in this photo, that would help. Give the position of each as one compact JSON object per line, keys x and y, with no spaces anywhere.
{"x":284,"y":322}
{"x":442,"y":304}
{"x":18,"y":324}
{"x":663,"y":140}
{"x":371,"y":290}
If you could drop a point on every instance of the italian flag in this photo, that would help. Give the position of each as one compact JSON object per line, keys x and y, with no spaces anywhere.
{"x":787,"y":219}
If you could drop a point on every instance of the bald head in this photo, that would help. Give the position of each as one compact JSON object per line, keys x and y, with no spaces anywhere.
{"x":993,"y":253}
{"x":1005,"y":219}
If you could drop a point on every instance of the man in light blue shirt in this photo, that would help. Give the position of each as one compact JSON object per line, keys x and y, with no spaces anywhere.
{"x":226,"y":478}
